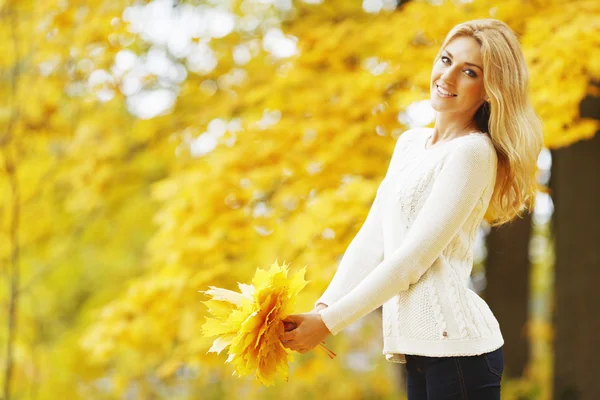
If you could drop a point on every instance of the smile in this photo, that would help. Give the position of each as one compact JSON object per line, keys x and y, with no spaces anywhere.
{"x":442,"y":93}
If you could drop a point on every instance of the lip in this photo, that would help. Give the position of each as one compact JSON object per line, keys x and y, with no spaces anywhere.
{"x":445,"y":89}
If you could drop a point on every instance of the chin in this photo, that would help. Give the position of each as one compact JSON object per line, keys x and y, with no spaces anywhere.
{"x":436,"y":105}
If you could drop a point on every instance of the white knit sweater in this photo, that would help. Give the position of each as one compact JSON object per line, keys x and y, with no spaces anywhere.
{"x":414,"y":253}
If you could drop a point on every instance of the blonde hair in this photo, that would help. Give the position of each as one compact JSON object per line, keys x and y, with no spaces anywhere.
{"x":508,"y":118}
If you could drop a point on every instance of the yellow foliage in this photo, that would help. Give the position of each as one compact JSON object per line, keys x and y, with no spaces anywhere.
{"x":119,"y":222}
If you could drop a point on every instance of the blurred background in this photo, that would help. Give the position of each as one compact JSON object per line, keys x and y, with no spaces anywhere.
{"x":149,"y":149}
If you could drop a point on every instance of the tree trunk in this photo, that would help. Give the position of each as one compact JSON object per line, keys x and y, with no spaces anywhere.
{"x":507,"y":291}
{"x":576,"y":220}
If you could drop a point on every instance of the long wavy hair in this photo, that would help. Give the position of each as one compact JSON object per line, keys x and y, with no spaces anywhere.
{"x":508,"y":117}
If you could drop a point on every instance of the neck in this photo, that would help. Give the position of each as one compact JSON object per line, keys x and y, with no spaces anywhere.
{"x":449,"y":126}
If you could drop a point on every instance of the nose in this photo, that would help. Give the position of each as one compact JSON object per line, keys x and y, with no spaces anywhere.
{"x":448,"y":76}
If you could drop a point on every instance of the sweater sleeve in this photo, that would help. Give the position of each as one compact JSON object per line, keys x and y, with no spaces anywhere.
{"x":459,"y":187}
{"x":365,"y":251}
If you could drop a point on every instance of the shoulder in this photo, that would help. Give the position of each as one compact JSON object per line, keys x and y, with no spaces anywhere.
{"x":409,"y":136}
{"x":476,"y":151}
{"x":412,"y":133}
{"x":478,"y":145}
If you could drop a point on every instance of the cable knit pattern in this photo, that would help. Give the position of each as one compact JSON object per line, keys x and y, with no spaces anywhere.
{"x":437,"y":310}
{"x":456,"y":307}
{"x":414,"y":252}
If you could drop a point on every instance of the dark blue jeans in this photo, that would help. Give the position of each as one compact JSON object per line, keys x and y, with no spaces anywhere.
{"x":455,"y":378}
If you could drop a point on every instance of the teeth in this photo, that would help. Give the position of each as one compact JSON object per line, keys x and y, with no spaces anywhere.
{"x":442,"y":91}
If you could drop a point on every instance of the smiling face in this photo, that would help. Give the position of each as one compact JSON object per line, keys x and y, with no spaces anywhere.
{"x":459,"y":71}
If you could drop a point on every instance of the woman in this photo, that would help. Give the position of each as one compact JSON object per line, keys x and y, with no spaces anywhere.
{"x":413,"y":255}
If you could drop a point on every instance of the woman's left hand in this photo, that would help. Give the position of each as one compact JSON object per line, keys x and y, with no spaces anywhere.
{"x":310,"y":331}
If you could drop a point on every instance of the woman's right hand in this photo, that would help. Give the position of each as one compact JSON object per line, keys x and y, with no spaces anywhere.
{"x":290,"y":326}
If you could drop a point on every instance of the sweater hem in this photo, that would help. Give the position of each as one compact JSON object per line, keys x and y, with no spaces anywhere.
{"x":396,"y":347}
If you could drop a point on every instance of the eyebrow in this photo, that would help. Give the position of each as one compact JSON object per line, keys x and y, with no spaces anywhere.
{"x":468,"y":63}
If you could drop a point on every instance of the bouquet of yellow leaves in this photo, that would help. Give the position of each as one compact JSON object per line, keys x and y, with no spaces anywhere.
{"x":251,"y":322}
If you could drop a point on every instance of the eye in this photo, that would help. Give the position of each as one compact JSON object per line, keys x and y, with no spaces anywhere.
{"x":472,"y":73}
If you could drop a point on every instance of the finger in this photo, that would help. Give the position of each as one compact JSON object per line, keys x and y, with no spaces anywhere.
{"x":288,"y":335}
{"x":292,"y":318}
{"x":294,"y":346}
{"x":289,"y":326}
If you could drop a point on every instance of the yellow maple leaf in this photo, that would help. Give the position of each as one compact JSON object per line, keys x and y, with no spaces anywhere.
{"x":250,"y":323}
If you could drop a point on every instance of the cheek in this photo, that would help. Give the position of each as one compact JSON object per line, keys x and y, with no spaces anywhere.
{"x":435,"y":72}
{"x":473,"y":89}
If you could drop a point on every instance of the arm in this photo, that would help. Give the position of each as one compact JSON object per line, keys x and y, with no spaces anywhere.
{"x":365,"y":251}
{"x":459,"y":187}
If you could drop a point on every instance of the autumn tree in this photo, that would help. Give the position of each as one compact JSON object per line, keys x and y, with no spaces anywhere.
{"x":275,"y":128}
{"x":281,"y":184}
